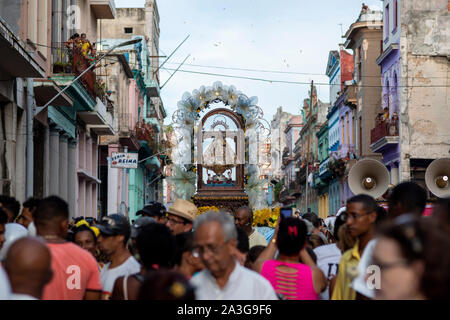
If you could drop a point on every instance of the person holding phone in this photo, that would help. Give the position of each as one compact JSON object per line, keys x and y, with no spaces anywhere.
{"x":290,"y":278}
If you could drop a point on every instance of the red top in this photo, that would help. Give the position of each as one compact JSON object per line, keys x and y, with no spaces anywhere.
{"x":75,"y":270}
{"x":296,"y":285}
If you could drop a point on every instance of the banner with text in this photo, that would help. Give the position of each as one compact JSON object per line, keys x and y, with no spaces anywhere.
{"x":124,"y":160}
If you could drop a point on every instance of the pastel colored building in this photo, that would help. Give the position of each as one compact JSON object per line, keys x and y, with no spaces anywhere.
{"x":322,"y":177}
{"x":288,"y":167}
{"x":53,"y":150}
{"x":142,"y":123}
{"x":333,"y":145}
{"x":339,"y":69}
{"x":314,"y":114}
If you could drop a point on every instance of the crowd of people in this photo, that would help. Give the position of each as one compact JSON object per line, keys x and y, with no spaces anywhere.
{"x":177,"y":254}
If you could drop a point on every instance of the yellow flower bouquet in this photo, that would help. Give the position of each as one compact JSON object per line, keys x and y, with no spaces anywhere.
{"x":266,"y":217}
{"x":202,"y":210}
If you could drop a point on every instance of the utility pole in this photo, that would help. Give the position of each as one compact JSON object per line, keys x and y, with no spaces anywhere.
{"x":123,"y":206}
{"x":309,"y":139}
{"x":29,"y":142}
{"x":307,"y":176}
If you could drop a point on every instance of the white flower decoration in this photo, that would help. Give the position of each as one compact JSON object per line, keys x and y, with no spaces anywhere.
{"x":184,"y":182}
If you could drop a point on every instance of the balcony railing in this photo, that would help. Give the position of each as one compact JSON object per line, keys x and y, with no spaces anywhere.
{"x":69,"y":59}
{"x":324,"y":167}
{"x":346,"y":151}
{"x":147,"y":132}
{"x":384,"y":129}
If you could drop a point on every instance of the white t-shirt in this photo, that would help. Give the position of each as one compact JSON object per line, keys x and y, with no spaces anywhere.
{"x":359,"y":284}
{"x":256,"y":239}
{"x":20,"y":296}
{"x":5,"y":287}
{"x":243,"y":284}
{"x":108,"y":276}
{"x":32,"y":229}
{"x":328,"y":257}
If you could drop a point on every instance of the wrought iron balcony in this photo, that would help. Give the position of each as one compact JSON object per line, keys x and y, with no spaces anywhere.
{"x":68,"y":59}
{"x":149,"y":133}
{"x":385,"y":133}
{"x":323,"y":170}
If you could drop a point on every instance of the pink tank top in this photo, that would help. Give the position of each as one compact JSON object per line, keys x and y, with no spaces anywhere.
{"x":293,"y":285}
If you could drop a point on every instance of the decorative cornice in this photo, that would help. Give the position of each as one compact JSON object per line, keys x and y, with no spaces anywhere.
{"x":391,"y":49}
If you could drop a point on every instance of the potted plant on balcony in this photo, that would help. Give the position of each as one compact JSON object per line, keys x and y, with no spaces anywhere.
{"x":100,"y":89}
{"x":337,"y":167}
{"x":68,"y":67}
{"x":58,"y":67}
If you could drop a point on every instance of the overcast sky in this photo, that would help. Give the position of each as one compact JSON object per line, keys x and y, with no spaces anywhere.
{"x":284,"y":35}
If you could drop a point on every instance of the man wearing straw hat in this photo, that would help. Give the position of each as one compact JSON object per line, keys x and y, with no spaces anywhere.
{"x":180,"y":216}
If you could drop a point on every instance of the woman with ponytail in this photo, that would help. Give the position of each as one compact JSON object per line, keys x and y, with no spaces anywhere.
{"x":291,"y":279}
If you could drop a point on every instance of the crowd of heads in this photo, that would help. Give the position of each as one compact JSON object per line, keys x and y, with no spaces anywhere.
{"x":174,"y":245}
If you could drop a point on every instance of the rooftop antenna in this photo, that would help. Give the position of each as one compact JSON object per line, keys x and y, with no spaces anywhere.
{"x":342,"y":31}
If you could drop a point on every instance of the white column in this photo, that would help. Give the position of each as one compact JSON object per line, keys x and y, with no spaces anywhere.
{"x":46,"y":176}
{"x":72,"y":177}
{"x":19,"y":163}
{"x":54,"y":161}
{"x":63,"y":166}
{"x":81,"y":197}
{"x":94,"y":200}
{"x":394,"y":175}
{"x":113,"y":190}
{"x":88,"y":200}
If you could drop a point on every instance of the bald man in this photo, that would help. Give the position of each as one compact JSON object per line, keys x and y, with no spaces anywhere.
{"x":29,"y":268}
{"x":243,"y":218}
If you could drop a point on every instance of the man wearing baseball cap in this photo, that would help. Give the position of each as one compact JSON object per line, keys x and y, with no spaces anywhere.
{"x":155,"y":210}
{"x":114,"y":234}
{"x":180,"y":216}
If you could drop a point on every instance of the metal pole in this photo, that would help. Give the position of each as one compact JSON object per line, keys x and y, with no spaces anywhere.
{"x":123,"y":206}
{"x":29,"y":144}
{"x":154,"y":72}
{"x":160,"y":152}
{"x":307,"y":175}
{"x":175,"y":71}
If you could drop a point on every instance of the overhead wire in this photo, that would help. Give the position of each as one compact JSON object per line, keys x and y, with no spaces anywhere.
{"x":296,"y":82}
{"x":270,"y":71}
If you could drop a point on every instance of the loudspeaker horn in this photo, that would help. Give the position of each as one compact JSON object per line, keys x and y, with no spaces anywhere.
{"x":370,"y":177}
{"x":437,"y":177}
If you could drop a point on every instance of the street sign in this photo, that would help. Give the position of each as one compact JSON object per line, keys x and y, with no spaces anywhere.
{"x":124,"y":160}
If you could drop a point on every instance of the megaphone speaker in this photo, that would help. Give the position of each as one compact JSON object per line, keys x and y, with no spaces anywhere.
{"x":370,"y":177}
{"x":437,"y":177}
